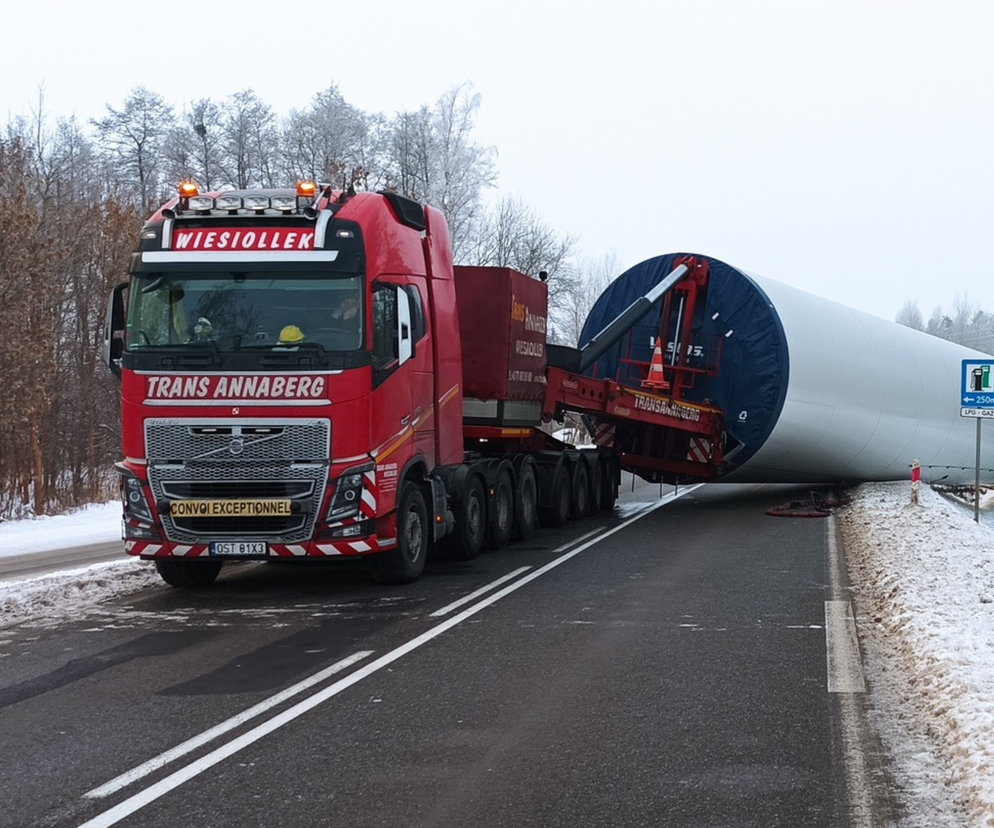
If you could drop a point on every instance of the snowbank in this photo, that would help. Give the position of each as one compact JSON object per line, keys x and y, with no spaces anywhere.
{"x":924,"y":587}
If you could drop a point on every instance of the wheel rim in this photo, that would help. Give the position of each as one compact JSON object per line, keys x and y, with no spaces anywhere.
{"x":564,"y":495}
{"x":503,"y":505}
{"x":529,"y":503}
{"x":474,"y":520}
{"x":413,"y":535}
{"x":581,"y":493}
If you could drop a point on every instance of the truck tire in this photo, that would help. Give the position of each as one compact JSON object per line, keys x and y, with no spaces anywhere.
{"x":596,"y":484}
{"x":526,"y":500}
{"x":466,"y":542}
{"x":557,"y":512}
{"x":580,"y":499}
{"x":406,"y":562}
{"x":180,"y":572}
{"x":501,"y":523}
{"x":610,"y":483}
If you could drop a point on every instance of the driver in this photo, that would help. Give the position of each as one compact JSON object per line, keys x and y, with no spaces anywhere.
{"x":202,"y":330}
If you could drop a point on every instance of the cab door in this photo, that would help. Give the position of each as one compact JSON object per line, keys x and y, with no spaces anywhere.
{"x":392,"y":413}
{"x":422,"y":373}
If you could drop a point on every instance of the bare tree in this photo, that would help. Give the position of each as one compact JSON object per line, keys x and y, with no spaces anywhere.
{"x":910,"y":316}
{"x":132,"y":139}
{"x":249,"y":140}
{"x":510,"y":234}
{"x":593,"y":277}
{"x":326,"y":138}
{"x":436,"y":160}
{"x":192,"y":148}
{"x":26,"y":311}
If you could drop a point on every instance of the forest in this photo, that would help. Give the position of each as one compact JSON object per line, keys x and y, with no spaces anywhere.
{"x":73,"y":196}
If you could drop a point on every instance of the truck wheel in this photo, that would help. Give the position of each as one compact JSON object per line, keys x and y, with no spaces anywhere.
{"x":557,"y":513}
{"x":407,"y":561}
{"x":179,"y":572}
{"x":471,"y":522}
{"x":526,"y":506}
{"x":501,"y":522}
{"x":581,"y":491}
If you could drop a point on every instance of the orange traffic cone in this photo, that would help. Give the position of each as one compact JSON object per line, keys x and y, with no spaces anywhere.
{"x":656,"y":379}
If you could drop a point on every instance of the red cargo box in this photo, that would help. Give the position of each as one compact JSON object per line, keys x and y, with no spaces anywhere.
{"x":502,"y":321}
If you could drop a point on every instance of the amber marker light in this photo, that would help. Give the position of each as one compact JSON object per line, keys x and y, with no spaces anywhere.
{"x":188,"y":189}
{"x":306,"y":189}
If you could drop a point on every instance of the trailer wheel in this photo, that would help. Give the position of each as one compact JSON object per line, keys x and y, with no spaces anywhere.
{"x":179,"y":572}
{"x":596,"y":485}
{"x":581,"y":491}
{"x":407,"y":561}
{"x":501,"y":522}
{"x":526,"y":507}
{"x":557,"y":513}
{"x":610,"y":483}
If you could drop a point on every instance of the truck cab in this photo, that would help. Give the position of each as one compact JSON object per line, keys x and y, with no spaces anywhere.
{"x":284,"y":372}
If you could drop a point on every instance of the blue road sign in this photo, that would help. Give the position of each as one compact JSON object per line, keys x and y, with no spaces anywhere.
{"x":977,"y":388}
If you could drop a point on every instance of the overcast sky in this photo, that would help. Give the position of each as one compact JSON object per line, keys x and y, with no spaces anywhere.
{"x":844,"y":148}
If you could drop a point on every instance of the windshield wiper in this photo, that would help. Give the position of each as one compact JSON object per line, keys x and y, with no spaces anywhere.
{"x":295,"y":355}
{"x":191,"y":355}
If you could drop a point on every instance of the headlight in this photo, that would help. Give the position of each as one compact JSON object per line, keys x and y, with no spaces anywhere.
{"x":348,"y":494}
{"x":135,"y":502}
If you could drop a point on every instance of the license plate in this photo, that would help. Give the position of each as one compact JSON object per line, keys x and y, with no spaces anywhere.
{"x":229,"y":508}
{"x":239,"y":548}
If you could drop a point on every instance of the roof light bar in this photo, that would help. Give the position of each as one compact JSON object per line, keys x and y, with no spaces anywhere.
{"x":285,"y":203}
{"x":202,"y":203}
{"x":228,"y":202}
{"x":255,"y":202}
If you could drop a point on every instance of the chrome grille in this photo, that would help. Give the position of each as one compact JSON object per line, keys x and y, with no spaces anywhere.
{"x":183,"y":440}
{"x":238,"y":460}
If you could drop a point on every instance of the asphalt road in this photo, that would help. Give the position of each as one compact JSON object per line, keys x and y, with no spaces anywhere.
{"x":664,"y":670}
{"x":32,"y":565}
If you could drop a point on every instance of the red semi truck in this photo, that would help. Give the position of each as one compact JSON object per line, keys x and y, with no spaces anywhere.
{"x":305,"y":374}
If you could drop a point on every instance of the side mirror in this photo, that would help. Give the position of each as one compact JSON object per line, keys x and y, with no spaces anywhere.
{"x":405,"y":338}
{"x":114,"y":329}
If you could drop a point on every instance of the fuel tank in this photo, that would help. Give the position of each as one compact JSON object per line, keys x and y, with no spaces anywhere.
{"x":812,"y":390}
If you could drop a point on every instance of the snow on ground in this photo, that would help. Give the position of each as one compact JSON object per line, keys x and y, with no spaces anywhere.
{"x":67,"y":593}
{"x":97,"y":523}
{"x":923,"y":579}
{"x":54,"y":598}
{"x":923,"y":583}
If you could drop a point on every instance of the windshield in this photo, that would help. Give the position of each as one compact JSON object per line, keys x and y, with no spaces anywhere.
{"x":245,"y":310}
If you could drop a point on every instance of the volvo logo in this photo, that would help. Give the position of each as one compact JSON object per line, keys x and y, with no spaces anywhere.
{"x":236,"y":446}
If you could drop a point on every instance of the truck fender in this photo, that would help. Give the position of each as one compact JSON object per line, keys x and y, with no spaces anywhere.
{"x":415,"y":470}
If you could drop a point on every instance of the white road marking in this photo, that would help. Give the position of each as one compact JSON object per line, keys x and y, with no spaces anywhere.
{"x":189,"y":745}
{"x":481,"y":591}
{"x":144,"y":797}
{"x":510,"y":576}
{"x":845,"y":670}
{"x":846,"y":679}
{"x":845,"y":667}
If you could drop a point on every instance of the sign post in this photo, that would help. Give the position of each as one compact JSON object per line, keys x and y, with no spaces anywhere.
{"x":977,"y":400}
